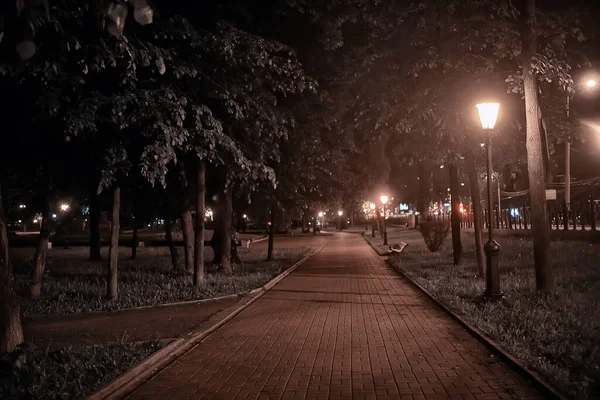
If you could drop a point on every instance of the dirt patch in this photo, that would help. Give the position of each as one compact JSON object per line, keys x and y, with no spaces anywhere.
{"x":154,"y":323}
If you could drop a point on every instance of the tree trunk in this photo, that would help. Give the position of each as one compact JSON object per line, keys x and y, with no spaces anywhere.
{"x":11,"y":330}
{"x":41,"y":251}
{"x":187,"y":228}
{"x":94,"y":228}
{"x":200,"y":210}
{"x":535,"y":163}
{"x":169,"y":238}
{"x":221,"y":240}
{"x":456,"y":216}
{"x":134,"y":245}
{"x":477,"y":209}
{"x":113,"y":252}
{"x":271,"y":233}
{"x":422,"y":191}
{"x":305,"y":222}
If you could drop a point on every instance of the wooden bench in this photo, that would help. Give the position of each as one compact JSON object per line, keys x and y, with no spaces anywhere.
{"x":398,"y":247}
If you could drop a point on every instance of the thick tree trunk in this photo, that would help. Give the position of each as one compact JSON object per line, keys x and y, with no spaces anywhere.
{"x":221,"y":240}
{"x":477,"y":209}
{"x":200,"y":210}
{"x":271,"y":233}
{"x":112,"y":292}
{"x":456,"y":216}
{"x":94,"y":228}
{"x":134,"y":245}
{"x":39,"y":263}
{"x":169,"y":238}
{"x":535,"y":161}
{"x":187,"y":228}
{"x":305,"y":222}
{"x":11,"y":330}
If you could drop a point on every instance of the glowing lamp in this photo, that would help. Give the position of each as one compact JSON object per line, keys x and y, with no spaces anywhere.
{"x":340,"y":213}
{"x":384,"y":199}
{"x":488,"y":114}
{"x":372,"y":206}
{"x":590,"y":83}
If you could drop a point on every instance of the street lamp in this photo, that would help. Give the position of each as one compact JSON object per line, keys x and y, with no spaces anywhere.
{"x":340,"y":219}
{"x":590,"y":84}
{"x":64,"y":207}
{"x":488,"y":113}
{"x":373,"y":224}
{"x":384,"y":200}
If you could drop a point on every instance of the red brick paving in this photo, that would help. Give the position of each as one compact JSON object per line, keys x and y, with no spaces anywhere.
{"x":342,"y":326}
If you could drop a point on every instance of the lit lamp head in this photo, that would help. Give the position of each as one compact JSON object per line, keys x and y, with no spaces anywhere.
{"x":590,"y":83}
{"x":372,"y":205}
{"x":384,"y":199}
{"x":321,"y":214}
{"x":488,"y":114}
{"x":340,"y":213}
{"x":64,"y":207}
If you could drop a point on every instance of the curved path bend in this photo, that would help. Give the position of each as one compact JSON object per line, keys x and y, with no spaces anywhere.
{"x":341,"y":326}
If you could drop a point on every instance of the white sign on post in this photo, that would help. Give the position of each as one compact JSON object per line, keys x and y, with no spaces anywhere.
{"x":550,"y":194}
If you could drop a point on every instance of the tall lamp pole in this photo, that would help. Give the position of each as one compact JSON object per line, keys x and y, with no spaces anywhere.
{"x":384,"y":200}
{"x":373,"y":225}
{"x":590,"y":84}
{"x":488,"y":113}
{"x":340,"y":219}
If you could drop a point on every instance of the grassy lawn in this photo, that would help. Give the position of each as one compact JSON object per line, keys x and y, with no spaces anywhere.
{"x":557,"y":335}
{"x":72,"y":372}
{"x":73,"y":284}
{"x":395,"y":236}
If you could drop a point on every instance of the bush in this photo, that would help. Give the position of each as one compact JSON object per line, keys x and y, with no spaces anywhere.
{"x":434,"y":233}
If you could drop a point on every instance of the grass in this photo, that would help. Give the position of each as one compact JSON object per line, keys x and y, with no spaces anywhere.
{"x":395,"y":236}
{"x":557,"y":334}
{"x":73,"y":284}
{"x":72,"y":372}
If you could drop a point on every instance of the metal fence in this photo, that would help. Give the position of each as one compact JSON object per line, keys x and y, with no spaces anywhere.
{"x":579,"y":215}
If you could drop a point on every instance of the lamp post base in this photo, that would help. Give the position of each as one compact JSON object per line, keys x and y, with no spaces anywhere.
{"x":385,"y":238}
{"x":492,"y":278}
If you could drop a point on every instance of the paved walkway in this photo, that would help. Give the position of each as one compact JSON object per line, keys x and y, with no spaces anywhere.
{"x":342,"y":326}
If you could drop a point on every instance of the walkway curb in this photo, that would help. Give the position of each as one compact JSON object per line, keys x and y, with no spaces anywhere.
{"x":379,"y":252}
{"x":532,"y":377}
{"x":42,"y":317}
{"x":131,"y":379}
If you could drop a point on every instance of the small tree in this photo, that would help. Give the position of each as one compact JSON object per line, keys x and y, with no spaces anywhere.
{"x":434,"y":234}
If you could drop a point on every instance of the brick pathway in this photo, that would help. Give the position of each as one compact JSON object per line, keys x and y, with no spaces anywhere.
{"x":342,"y":326}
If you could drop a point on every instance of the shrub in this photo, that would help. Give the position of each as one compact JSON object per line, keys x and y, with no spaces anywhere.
{"x":434,"y":233}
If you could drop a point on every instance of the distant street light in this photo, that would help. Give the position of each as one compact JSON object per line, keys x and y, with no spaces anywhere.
{"x":590,"y":83}
{"x":488,"y":114}
{"x":64,"y":207}
{"x":384,"y":200}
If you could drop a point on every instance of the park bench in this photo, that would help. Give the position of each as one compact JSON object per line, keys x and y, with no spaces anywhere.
{"x":398,"y":247}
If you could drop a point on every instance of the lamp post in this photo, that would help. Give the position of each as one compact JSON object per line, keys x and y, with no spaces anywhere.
{"x":488,"y":113}
{"x":322,"y":220}
{"x":384,"y":200}
{"x":590,"y":84}
{"x":340,"y":219}
{"x":372,"y":206}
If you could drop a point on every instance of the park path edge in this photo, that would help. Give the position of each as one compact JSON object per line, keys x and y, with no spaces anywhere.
{"x":132,"y":378}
